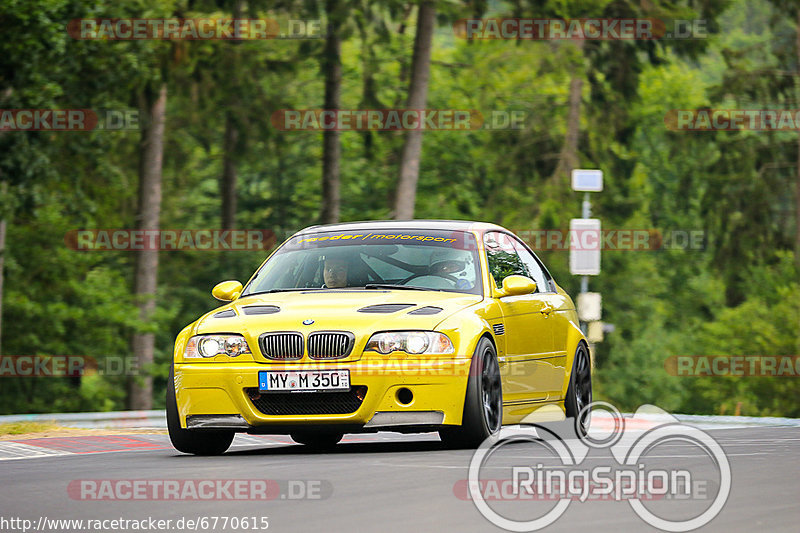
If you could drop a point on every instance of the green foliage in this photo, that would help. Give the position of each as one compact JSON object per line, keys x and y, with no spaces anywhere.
{"x":736,"y":296}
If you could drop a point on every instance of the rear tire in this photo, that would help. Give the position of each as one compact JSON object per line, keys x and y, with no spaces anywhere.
{"x":320,"y":441}
{"x":483,"y":403}
{"x":197,"y":442}
{"x":579,"y":392}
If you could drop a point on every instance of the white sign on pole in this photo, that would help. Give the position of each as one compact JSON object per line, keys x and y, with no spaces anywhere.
{"x":594,"y":332}
{"x":590,"y":306}
{"x":589,"y":180}
{"x":585,"y":241}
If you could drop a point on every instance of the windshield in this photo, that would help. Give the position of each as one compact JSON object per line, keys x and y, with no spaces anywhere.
{"x":413,"y":259}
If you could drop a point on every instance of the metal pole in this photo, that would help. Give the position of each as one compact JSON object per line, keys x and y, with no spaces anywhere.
{"x":587,"y":206}
{"x":586,"y":213}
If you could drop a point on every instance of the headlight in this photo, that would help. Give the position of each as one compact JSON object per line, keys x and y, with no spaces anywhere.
{"x":211,"y":345}
{"x":415,"y":342}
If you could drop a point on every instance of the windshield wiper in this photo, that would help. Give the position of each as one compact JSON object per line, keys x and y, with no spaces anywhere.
{"x":288,"y":289}
{"x":401,"y":287}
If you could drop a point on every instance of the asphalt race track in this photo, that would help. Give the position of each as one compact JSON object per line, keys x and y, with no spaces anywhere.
{"x":378,"y":482}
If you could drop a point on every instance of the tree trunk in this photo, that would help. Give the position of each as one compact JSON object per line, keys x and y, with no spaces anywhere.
{"x":2,"y":264}
{"x":797,"y":183}
{"x":568,"y":158}
{"x":406,"y":195}
{"x":140,"y":388}
{"x":228,"y":182}
{"x":3,"y":193}
{"x":331,"y":148}
{"x":227,"y":185}
{"x":369,"y":100}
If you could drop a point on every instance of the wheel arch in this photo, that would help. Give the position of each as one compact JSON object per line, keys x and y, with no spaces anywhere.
{"x":575,"y":338}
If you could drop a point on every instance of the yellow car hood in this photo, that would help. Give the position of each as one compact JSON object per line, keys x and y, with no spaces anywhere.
{"x":334,"y":310}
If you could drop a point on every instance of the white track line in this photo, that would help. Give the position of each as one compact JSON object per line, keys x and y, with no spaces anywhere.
{"x":17,"y":450}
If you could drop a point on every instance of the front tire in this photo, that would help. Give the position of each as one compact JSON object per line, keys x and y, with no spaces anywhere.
{"x":483,"y":404}
{"x":192,"y":441}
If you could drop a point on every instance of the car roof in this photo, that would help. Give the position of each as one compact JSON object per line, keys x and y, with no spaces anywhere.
{"x":451,"y":225}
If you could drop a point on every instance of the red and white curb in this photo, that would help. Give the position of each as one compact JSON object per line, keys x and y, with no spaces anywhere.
{"x":92,"y":444}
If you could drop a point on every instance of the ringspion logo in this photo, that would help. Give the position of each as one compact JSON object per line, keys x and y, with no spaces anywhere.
{"x":690,"y":493}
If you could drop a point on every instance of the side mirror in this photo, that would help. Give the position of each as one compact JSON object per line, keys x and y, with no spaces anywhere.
{"x":516,"y":285}
{"x":227,"y":291}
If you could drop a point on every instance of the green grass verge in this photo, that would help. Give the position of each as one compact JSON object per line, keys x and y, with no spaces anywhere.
{"x":20,"y":428}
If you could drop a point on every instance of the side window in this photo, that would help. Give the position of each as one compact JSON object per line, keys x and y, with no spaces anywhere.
{"x":502,"y":257}
{"x":535,"y":271}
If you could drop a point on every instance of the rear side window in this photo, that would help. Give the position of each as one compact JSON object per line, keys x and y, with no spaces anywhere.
{"x":502,"y":257}
{"x":535,"y":270}
{"x":507,"y":256}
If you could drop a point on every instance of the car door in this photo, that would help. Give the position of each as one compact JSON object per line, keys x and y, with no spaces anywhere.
{"x":550,"y":366}
{"x":527,"y":333}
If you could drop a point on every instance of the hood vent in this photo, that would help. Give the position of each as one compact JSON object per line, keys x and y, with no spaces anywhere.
{"x":260,"y":309}
{"x":384,"y":308}
{"x":427,"y":310}
{"x":225,"y":314}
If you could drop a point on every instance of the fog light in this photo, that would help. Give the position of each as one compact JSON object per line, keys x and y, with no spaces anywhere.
{"x":405,"y":396}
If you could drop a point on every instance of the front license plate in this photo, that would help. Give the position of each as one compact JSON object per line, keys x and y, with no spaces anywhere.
{"x":304,"y":381}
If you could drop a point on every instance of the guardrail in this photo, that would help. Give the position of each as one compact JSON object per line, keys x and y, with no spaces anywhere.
{"x":711,"y":420}
{"x":156,"y":419}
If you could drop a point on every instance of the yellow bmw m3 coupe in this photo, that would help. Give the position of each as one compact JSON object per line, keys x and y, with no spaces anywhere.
{"x":408,"y":326}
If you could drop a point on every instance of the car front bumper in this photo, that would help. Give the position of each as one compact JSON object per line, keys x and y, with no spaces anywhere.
{"x":219,"y":395}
